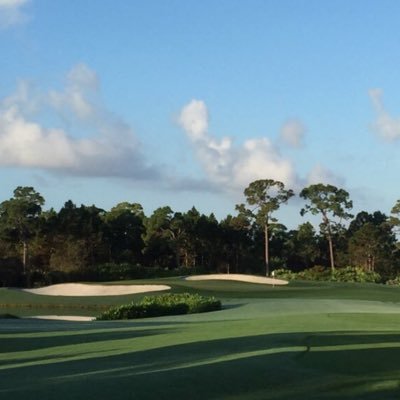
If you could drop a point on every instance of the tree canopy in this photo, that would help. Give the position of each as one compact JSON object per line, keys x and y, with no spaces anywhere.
{"x":265,"y":196}
{"x":85,"y":242}
{"x":331,"y":202}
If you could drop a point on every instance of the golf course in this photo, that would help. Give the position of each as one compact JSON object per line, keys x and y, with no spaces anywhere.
{"x":303,"y":340}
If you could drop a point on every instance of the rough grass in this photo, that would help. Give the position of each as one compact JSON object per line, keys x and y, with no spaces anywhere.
{"x":318,"y":341}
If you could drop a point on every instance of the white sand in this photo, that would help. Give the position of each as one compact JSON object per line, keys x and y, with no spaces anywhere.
{"x":63,"y":317}
{"x":238,"y":277}
{"x":81,"y":289}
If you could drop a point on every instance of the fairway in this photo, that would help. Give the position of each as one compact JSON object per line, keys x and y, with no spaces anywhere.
{"x":311,"y":341}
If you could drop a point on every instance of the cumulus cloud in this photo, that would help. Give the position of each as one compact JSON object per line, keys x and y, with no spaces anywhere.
{"x":103,"y":145}
{"x":194,"y":120}
{"x":80,"y":93}
{"x":292,"y":133}
{"x":12,"y":13}
{"x":385,"y":125}
{"x":320,"y":174}
{"x":229,"y":166}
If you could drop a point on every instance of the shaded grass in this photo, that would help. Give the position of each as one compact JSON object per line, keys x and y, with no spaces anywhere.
{"x":311,"y":341}
{"x":201,"y":361}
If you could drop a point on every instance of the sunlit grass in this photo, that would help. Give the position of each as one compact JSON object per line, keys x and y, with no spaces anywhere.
{"x":280,"y":343}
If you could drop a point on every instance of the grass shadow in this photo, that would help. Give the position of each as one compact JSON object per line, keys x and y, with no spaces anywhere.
{"x":272,"y":366}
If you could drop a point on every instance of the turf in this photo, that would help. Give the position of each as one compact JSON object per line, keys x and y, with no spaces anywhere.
{"x":312,"y":341}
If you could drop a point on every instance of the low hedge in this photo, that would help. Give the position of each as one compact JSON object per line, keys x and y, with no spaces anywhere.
{"x":165,"y":304}
{"x":355,"y":274}
{"x":319,"y":273}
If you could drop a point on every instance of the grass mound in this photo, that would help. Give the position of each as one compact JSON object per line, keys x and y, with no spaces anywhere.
{"x":166,"y":304}
{"x":8,"y":316}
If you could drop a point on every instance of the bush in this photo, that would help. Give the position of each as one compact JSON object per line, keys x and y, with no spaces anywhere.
{"x":355,"y":274}
{"x":316,"y":273}
{"x":283,"y":273}
{"x":319,"y":273}
{"x":166,"y":304}
{"x":394,"y":282}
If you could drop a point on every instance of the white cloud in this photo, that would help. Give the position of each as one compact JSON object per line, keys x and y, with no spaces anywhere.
{"x":109,"y":148}
{"x":11,"y":12}
{"x":80,"y":93}
{"x":385,"y":125}
{"x":27,"y":144}
{"x":320,"y":174}
{"x":292,"y":133}
{"x":194,"y":120}
{"x":228,"y":166}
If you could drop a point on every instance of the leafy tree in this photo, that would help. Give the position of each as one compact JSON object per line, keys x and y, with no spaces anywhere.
{"x":266,"y":196}
{"x":78,"y":237}
{"x":278,"y":237}
{"x":209,"y":241}
{"x":124,"y":230}
{"x":159,"y":249}
{"x":303,"y":247}
{"x":395,"y":217}
{"x":236,"y":243}
{"x":377,"y":218}
{"x":19,"y":217}
{"x":183,"y":231}
{"x":372,"y":242}
{"x":330,"y":202}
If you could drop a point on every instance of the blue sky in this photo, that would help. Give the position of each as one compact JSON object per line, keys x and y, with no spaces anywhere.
{"x":184,"y":103}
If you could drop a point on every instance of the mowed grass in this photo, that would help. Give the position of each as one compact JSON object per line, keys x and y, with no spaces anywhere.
{"x":303,"y":341}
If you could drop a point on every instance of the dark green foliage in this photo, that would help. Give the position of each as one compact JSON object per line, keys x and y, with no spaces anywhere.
{"x":19,"y":218}
{"x":86,"y":243}
{"x":372,"y":243}
{"x":283,"y":273}
{"x":124,"y":271}
{"x":10,"y":272}
{"x":166,"y":304}
{"x":264,"y":196}
{"x":8,"y":316}
{"x":316,"y":273}
{"x":320,"y":273}
{"x":355,"y":274}
{"x":330,"y":202}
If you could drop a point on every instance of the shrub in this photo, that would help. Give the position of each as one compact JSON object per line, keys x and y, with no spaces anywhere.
{"x":394,"y":282}
{"x":165,"y":304}
{"x":319,"y":273}
{"x":283,"y":273}
{"x":316,"y":273}
{"x":355,"y":274}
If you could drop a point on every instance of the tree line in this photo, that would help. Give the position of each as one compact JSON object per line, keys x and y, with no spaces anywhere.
{"x":40,"y":246}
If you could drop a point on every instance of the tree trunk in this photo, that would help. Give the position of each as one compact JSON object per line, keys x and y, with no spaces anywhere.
{"x":25,"y":255}
{"x":266,"y":238}
{"x":331,"y":252}
{"x":329,"y":237}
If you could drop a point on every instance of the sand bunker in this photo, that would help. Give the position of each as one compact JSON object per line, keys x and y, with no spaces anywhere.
{"x":63,"y":318}
{"x":238,"y":277}
{"x":81,"y":289}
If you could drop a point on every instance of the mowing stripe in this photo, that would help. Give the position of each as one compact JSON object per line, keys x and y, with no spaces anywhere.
{"x":229,"y":357}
